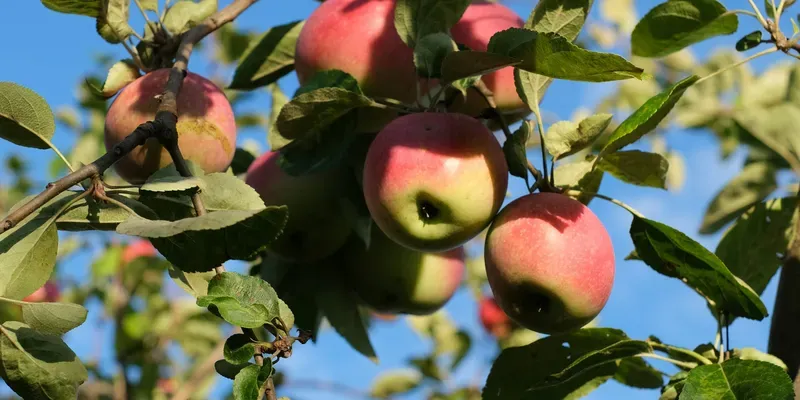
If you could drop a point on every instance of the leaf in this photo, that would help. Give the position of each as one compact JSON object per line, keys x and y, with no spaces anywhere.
{"x":392,"y":383}
{"x":648,"y":116}
{"x":566,"y":138}
{"x":750,"y":353}
{"x":340,"y":307}
{"x":674,"y":387}
{"x":89,"y":214}
{"x":198,"y":244}
{"x":239,"y":349}
{"x":245,"y":301}
{"x":676,"y":24}
{"x":149,"y":5}
{"x":752,"y":248}
{"x":229,"y":370}
{"x":274,"y":138}
{"x":415,"y":19}
{"x":636,"y":372}
{"x":322,"y":151}
{"x":465,"y":64}
{"x":430,"y":53}
{"x":194,"y":283}
{"x":514,"y":149}
{"x":25,"y":118}
{"x":172,"y":183}
{"x":749,"y":41}
{"x":738,"y":379}
{"x":519,"y":373}
{"x":117,"y":14}
{"x":53,"y":318}
{"x":579,"y":176}
{"x":37,"y":365}
{"x":753,"y":184}
{"x":268,"y":57}
{"x":554,"y":56}
{"x":186,"y":14}
{"x":89,"y":8}
{"x":120,"y":75}
{"x":309,"y":113}
{"x":672,"y":253}
{"x":637,"y":167}
{"x":250,"y":379}
{"x":28,"y":250}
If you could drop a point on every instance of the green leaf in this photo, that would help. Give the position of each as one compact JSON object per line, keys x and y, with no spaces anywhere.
{"x":229,"y":370}
{"x":415,"y":19}
{"x":738,"y":379}
{"x":149,"y":5}
{"x":566,"y":137}
{"x":186,"y":14}
{"x":581,"y":176}
{"x":25,"y":118}
{"x":749,"y":41}
{"x":332,"y":78}
{"x":465,"y":64}
{"x":430,"y":52}
{"x":37,"y":365}
{"x":53,"y":318}
{"x":293,"y":283}
{"x":648,"y":116}
{"x":429,"y":368}
{"x":117,"y":14}
{"x":554,"y":56}
{"x":89,"y":8}
{"x":274,"y":138}
{"x":577,"y":363}
{"x":244,"y":301}
{"x":393,"y":383}
{"x":672,"y":253}
{"x":119,"y":75}
{"x":753,"y":184}
{"x":194,"y":283}
{"x":250,"y":380}
{"x":89,"y":214}
{"x":637,"y":167}
{"x":636,"y":372}
{"x":268,"y":57}
{"x":242,"y":159}
{"x":750,"y":353}
{"x":321,"y":151}
{"x":514,"y":149}
{"x":198,"y":244}
{"x":673,"y":388}
{"x":239,"y":349}
{"x":172,"y":183}
{"x":310,"y":113}
{"x":676,"y":24}
{"x":340,"y":307}
{"x":752,"y":248}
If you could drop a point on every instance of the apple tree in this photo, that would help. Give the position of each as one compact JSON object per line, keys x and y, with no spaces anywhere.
{"x":385,"y":190}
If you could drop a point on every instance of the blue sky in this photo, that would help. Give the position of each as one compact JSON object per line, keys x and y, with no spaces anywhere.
{"x":52,"y":58}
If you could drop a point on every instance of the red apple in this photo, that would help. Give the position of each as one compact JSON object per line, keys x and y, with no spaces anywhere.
{"x":433,"y":181}
{"x":48,"y":293}
{"x":206,"y":125}
{"x":493,"y":319}
{"x":138,"y":248}
{"x":479,"y":23}
{"x":549,"y":262}
{"x":317,"y":224}
{"x":393,"y":279}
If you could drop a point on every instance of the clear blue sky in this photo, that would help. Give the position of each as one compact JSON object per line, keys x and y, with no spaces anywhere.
{"x":50,"y":60}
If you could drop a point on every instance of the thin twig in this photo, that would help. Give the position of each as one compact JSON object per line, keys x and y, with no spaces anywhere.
{"x":737,"y":64}
{"x":606,"y":198}
{"x":757,"y":11}
{"x":690,"y":353}
{"x":144,"y":13}
{"x":682,"y":364}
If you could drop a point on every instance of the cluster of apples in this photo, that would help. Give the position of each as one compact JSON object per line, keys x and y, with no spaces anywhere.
{"x":431,"y":181}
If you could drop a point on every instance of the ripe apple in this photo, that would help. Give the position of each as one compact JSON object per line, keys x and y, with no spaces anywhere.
{"x":138,"y":248}
{"x":317,"y":224}
{"x":432,"y":181}
{"x":390,"y":278}
{"x":476,"y":27}
{"x":206,"y":125}
{"x":493,"y":318}
{"x":549,"y":262}
{"x":48,"y":293}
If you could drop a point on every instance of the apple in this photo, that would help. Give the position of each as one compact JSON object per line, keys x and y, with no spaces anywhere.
{"x":432,"y":181}
{"x":317,"y":225}
{"x":549,"y":262}
{"x":493,"y":318}
{"x":206,"y":125}
{"x":48,"y":293}
{"x":390,"y":278}
{"x":480,"y":22}
{"x":138,"y":248}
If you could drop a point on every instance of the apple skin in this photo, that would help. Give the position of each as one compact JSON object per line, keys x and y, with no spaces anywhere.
{"x":493,"y":319}
{"x":206,"y":125}
{"x":317,"y":225}
{"x":48,"y":293}
{"x":138,"y":248}
{"x":390,"y":278}
{"x":480,"y":22}
{"x":549,"y":262}
{"x":432,"y":181}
